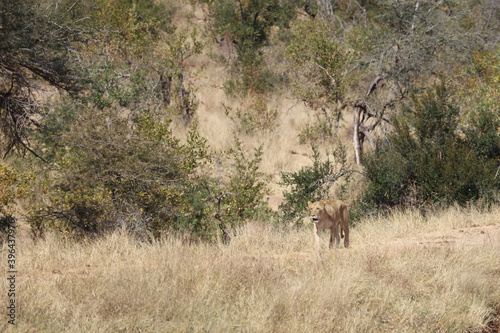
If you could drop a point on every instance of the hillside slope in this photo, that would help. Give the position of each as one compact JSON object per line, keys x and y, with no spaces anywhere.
{"x":216,"y":113}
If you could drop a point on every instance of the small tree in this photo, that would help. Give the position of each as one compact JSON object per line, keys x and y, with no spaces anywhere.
{"x":238,"y":194}
{"x":319,"y":63}
{"x":399,"y":45}
{"x":60,"y":45}
{"x":176,"y":92}
{"x":247,"y":25}
{"x":314,"y":182}
{"x":35,"y":46}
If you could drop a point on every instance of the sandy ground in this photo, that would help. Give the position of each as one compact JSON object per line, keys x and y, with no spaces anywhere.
{"x":463,"y":237}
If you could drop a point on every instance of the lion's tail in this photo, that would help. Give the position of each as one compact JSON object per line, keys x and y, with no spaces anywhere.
{"x":341,"y":232}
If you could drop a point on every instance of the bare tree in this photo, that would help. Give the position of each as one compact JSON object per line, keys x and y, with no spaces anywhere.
{"x":405,"y":44}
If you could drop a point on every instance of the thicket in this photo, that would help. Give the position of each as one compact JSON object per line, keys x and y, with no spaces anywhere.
{"x":431,"y":157}
{"x":247,"y":25}
{"x":318,"y":64}
{"x":434,"y":146}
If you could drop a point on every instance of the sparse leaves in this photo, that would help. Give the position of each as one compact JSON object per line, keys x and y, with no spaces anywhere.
{"x":314,"y":182}
{"x":319,"y":64}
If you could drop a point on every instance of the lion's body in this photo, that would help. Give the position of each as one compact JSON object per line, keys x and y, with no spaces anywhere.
{"x":329,"y":214}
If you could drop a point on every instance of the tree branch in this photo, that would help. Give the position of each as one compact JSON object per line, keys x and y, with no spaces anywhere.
{"x":374,"y":85}
{"x":334,"y":83}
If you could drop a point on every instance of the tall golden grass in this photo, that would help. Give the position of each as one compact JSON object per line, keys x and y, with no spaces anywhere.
{"x":403,"y":273}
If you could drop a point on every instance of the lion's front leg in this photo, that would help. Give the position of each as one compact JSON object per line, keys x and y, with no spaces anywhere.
{"x":317,"y":234}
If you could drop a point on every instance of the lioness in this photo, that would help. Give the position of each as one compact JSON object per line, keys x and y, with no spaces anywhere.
{"x":328,"y":215}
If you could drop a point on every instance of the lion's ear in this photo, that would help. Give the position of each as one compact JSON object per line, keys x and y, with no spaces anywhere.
{"x":309,"y":203}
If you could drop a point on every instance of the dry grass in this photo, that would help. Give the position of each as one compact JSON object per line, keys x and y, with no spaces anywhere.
{"x":268,"y":280}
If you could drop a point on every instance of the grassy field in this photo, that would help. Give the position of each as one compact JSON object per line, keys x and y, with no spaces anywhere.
{"x":403,"y":273}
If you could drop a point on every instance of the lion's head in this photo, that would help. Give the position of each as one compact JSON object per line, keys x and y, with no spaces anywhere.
{"x":316,"y":208}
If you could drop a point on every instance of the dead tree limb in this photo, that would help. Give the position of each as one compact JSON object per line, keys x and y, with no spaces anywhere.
{"x":361,"y":116}
{"x":358,"y":137}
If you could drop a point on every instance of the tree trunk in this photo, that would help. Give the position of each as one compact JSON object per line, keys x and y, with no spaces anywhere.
{"x":356,"y":134}
{"x":337,"y":121}
{"x":184,"y":100}
{"x":166,"y":83}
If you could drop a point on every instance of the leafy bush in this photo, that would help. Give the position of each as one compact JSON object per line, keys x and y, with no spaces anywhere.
{"x":212,"y":206}
{"x":13,"y":185}
{"x":249,"y":23}
{"x":131,"y":173}
{"x":319,"y":62}
{"x":429,"y":159}
{"x":314,"y":182}
{"x":116,"y":172}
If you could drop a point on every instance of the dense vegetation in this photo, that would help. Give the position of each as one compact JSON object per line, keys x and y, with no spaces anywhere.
{"x":89,"y":90}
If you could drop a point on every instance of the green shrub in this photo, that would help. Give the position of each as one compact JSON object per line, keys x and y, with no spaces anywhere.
{"x":238,"y":195}
{"x":429,"y":159}
{"x":314,"y":182}
{"x":247,"y":25}
{"x":113,"y":172}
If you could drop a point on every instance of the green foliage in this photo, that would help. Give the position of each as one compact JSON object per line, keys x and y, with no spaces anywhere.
{"x":35,"y":50}
{"x":319,"y":61}
{"x":314,"y":182}
{"x":247,"y":25}
{"x":482,"y":133}
{"x":177,"y":94}
{"x":239,"y":193}
{"x":427,"y":159}
{"x":122,"y":28}
{"x":59,"y":44}
{"x":130,"y":172}
{"x":247,"y":184}
{"x":113,"y":172}
{"x":479,"y":95}
{"x":122,"y":69}
{"x":211,"y":207}
{"x":403,"y":36}
{"x":14,"y":185}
